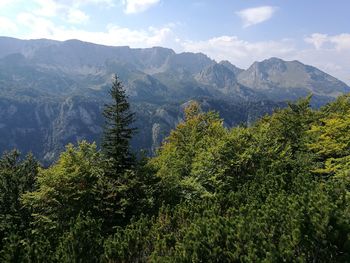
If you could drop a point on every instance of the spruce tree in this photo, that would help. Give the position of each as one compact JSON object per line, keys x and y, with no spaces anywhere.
{"x":118,"y":130}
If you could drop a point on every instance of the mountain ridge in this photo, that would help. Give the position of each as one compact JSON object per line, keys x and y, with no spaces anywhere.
{"x":63,"y":86}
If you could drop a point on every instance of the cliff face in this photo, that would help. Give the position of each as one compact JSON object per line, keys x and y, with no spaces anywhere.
{"x":45,"y":127}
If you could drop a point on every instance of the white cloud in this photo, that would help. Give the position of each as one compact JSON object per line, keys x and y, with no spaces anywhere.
{"x":334,"y":62}
{"x":76,"y":16}
{"x":330,"y":53}
{"x":256,"y":15}
{"x":5,"y":3}
{"x":138,"y":6}
{"x":6,"y":25}
{"x":109,"y":2}
{"x":239,"y":52}
{"x":68,"y":10}
{"x":317,"y":40}
{"x":79,"y":3}
{"x":324,"y":41}
{"x":47,"y":8}
{"x":335,"y":59}
{"x":39,"y":27}
{"x":341,"y":42}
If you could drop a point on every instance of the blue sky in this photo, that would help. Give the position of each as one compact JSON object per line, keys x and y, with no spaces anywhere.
{"x":316,"y":32}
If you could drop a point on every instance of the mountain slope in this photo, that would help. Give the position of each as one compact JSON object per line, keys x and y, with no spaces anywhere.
{"x":52,"y":93}
{"x":279,"y":80}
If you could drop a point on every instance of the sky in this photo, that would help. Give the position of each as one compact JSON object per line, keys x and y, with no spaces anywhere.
{"x":315,"y":32}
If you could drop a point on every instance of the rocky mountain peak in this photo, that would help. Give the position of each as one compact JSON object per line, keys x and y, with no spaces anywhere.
{"x":290,"y":79}
{"x":233,"y":68}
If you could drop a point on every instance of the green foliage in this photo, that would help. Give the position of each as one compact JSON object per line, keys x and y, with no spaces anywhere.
{"x":130,"y":244}
{"x":82,"y":243}
{"x":67,"y":188}
{"x":277,"y":191}
{"x":180,"y":152}
{"x":16,"y":177}
{"x":331,"y":138}
{"x":79,"y":183}
{"x":117,"y":130}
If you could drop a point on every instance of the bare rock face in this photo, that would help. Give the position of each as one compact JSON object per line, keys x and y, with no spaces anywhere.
{"x":44,"y":128}
{"x":156,"y":136}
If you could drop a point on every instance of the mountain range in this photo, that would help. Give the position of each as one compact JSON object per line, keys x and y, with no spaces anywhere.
{"x":52,"y":93}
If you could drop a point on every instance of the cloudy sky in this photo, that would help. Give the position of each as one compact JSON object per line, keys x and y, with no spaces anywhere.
{"x":316,"y":32}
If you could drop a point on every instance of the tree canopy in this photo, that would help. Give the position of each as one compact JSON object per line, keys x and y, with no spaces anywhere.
{"x":118,"y":130}
{"x":277,"y":191}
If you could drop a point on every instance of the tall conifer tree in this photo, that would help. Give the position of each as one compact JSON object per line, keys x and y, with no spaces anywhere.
{"x":118,"y":130}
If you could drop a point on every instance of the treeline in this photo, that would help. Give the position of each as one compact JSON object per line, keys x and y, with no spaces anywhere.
{"x":277,"y":191}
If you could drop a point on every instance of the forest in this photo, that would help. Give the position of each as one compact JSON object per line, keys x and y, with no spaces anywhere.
{"x":274,"y":191}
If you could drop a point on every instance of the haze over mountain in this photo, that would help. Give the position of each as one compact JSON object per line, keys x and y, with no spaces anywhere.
{"x":52,"y":92}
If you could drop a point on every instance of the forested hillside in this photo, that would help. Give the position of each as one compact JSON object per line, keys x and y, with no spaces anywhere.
{"x":276,"y":191}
